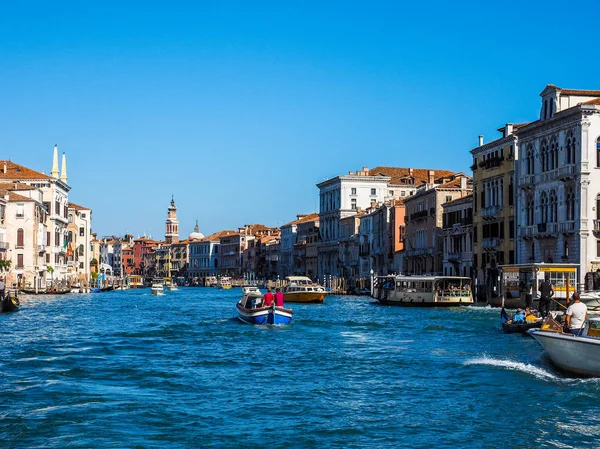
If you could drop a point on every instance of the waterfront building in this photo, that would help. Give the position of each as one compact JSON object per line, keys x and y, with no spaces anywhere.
{"x":289,"y":236}
{"x":349,"y":244}
{"x":26,"y":231}
{"x":55,"y":193}
{"x":205,"y":257}
{"x":398,"y":234}
{"x":494,"y":208}
{"x":424,"y":252}
{"x":457,"y":232}
{"x":127,"y":264}
{"x":305,"y":249}
{"x":340,"y":197}
{"x":271,"y":257}
{"x":94,"y":252}
{"x":3,"y":237}
{"x":144,"y":260}
{"x":365,"y":231}
{"x":162,"y":261}
{"x":558,"y":180}
{"x":172,"y":224}
{"x":79,"y":230}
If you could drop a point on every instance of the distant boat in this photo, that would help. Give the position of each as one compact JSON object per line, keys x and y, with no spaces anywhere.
{"x":302,"y":289}
{"x":157,"y":288}
{"x":576,"y":354}
{"x":225,"y":283}
{"x":250,"y":311}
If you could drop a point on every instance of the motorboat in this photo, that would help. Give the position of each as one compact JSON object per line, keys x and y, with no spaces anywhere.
{"x":577,"y":354}
{"x":225,"y":283}
{"x":250,"y":288}
{"x":302,"y":289}
{"x":251,"y":311}
{"x":591,"y":299}
{"x":157,"y":288}
{"x":171,"y":285}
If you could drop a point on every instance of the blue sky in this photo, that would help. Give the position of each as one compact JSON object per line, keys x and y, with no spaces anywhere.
{"x":239,"y":108}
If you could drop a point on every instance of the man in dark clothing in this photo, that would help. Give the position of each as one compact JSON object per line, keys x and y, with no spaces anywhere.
{"x":546,"y":294}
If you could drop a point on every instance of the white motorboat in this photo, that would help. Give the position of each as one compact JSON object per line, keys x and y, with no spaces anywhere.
{"x":251,"y":310}
{"x":576,"y":354}
{"x":157,"y":289}
{"x":250,"y":288}
{"x":591,"y":299}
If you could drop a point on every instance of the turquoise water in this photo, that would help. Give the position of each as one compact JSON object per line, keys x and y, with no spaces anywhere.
{"x":126,"y":369}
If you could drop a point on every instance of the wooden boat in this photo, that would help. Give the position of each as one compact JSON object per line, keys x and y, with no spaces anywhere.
{"x":516,"y":328}
{"x":250,"y":311}
{"x":423,"y":291}
{"x":10,"y":303}
{"x":302,"y":289}
{"x":575,"y":354}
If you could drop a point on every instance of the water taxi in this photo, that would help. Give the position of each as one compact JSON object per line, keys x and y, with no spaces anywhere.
{"x":157,"y":288}
{"x":578,"y":354}
{"x":170,"y":284}
{"x":423,"y":291}
{"x":251,"y":311}
{"x":225,"y":283}
{"x":302,"y":289}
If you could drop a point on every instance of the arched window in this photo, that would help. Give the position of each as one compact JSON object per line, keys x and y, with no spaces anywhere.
{"x":544,"y":207}
{"x":553,"y":154}
{"x":81,"y":250}
{"x":530,"y":211}
{"x":570,"y":142}
{"x":553,"y":207}
{"x":20,"y":238}
{"x":70,"y":218}
{"x":544,"y":155}
{"x":70,"y":237}
{"x":530,"y":161}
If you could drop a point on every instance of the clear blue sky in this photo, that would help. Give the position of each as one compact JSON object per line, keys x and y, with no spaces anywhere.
{"x":239,"y":109}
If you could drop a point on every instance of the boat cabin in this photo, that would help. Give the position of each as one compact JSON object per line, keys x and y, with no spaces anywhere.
{"x":424,"y":290}
{"x":251,"y":300}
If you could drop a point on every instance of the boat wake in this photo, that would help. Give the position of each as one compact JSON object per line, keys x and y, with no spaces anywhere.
{"x":536,"y":371}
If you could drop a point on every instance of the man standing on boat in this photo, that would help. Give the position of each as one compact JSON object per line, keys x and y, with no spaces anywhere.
{"x":268,"y":299}
{"x":279,"y":298}
{"x":576,"y":315}
{"x":546,"y":293}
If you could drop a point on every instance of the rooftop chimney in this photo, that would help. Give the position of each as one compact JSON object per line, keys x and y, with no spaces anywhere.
{"x":410,"y":171}
{"x":480,"y":140}
{"x":430,"y":176}
{"x":4,"y":171}
{"x":508,"y":129}
{"x":463,"y":182}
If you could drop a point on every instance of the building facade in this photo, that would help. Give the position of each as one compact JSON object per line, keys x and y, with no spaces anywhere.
{"x":457,"y":232}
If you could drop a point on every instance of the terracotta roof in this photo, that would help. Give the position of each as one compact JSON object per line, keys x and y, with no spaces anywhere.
{"x":583,"y":93}
{"x":216,"y":236}
{"x":451,"y":184}
{"x":595,"y":101}
{"x":305,"y":219}
{"x":421,"y":175}
{"x":17,"y":186}
{"x":77,"y":207}
{"x":16,"y":171}
{"x":15,"y":197}
{"x":398,"y":203}
{"x":466,"y":197}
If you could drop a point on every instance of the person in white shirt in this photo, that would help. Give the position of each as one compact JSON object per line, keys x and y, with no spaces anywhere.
{"x":576,"y":315}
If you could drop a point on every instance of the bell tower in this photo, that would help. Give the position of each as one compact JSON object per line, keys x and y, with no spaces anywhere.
{"x":172,"y":225}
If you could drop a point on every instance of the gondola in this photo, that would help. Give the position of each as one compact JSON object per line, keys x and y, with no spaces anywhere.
{"x":10,"y":303}
{"x":517,"y":328}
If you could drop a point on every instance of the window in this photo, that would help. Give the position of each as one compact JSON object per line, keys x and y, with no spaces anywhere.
{"x":20,"y":210}
{"x":597,"y":248}
{"x":56,"y":208}
{"x":373,"y":191}
{"x":511,"y":192}
{"x":82,"y":215}
{"x":19,"y":260}
{"x":20,"y":238}
{"x":403,"y":193}
{"x":82,"y":231}
{"x":391,"y":193}
{"x":353,"y":191}
{"x":353,"y":203}
{"x":70,"y":218}
{"x":448,"y":198}
{"x":511,"y":229}
{"x":47,"y":258}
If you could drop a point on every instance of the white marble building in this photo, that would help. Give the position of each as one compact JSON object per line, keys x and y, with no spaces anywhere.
{"x":341,"y":197}
{"x":559,"y":181}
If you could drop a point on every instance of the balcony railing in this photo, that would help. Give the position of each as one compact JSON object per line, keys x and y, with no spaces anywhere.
{"x":527,"y":231}
{"x":527,"y":181}
{"x":421,"y":252}
{"x":41,"y":248}
{"x":567,"y":226}
{"x":418,"y":215}
{"x":549,"y":175}
{"x":491,"y":242}
{"x":567,"y":172}
{"x":3,"y":245}
{"x":490,"y":211}
{"x":492,"y":162}
{"x":596,"y":225}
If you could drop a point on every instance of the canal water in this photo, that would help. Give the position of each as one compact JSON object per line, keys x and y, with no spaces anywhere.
{"x":126,"y":369}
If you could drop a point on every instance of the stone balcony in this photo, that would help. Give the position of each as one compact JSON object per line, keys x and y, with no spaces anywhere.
{"x":490,"y":212}
{"x":491,"y":242}
{"x":420,"y":252}
{"x":527,"y":181}
{"x":567,"y":172}
{"x":3,"y":245}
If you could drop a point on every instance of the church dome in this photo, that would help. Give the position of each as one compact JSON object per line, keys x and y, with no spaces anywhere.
{"x":196,"y":234}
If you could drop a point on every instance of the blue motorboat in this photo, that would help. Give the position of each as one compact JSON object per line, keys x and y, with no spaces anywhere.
{"x":251,"y":311}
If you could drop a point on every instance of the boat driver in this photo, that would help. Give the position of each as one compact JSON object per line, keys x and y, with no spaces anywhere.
{"x":576,"y":315}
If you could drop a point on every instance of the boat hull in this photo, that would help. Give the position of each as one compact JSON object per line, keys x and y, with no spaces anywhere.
{"x":305,"y":297}
{"x":521,"y":328}
{"x":265,"y":315}
{"x":9,"y":304}
{"x":578,"y":355}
